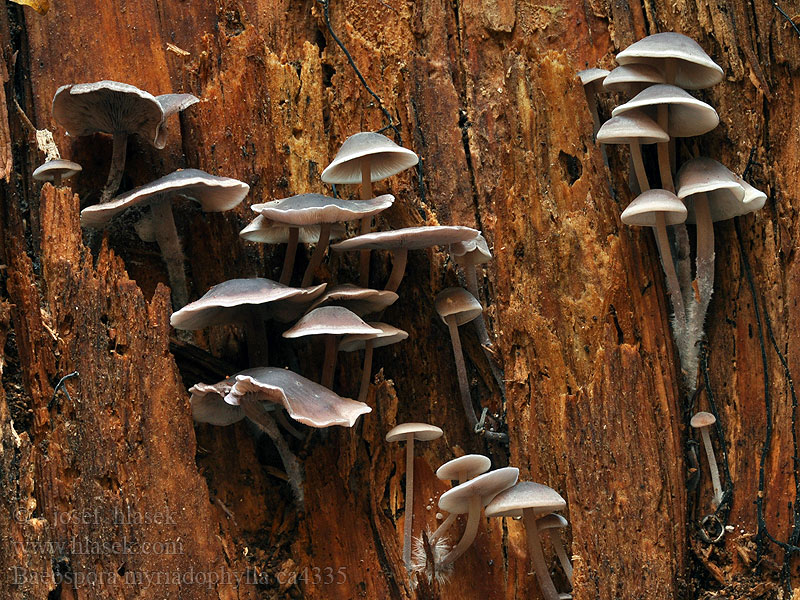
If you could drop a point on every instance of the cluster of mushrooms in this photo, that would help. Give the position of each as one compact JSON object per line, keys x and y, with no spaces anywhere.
{"x":656,"y":72}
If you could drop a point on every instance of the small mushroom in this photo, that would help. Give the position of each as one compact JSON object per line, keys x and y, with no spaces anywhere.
{"x":56,"y":170}
{"x":459,"y":469}
{"x":556,"y":521}
{"x":362,"y":301}
{"x":316,"y":209}
{"x":119,"y":109}
{"x":368,"y":342}
{"x":410,"y":432}
{"x":592,"y":80}
{"x":632,"y":78}
{"x":530,"y":499}
{"x":403,"y":240}
{"x":702,"y":421}
{"x":468,"y":255}
{"x":366,"y":157}
{"x":332,"y":322}
{"x":213,"y":193}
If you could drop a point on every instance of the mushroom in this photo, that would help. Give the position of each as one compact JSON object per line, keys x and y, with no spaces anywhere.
{"x":457,"y":306}
{"x":252,"y":393}
{"x":56,"y":170}
{"x":264,"y":231}
{"x":366,"y":157}
{"x":592,"y":80}
{"x":679,"y":114}
{"x":702,"y":421}
{"x":469,"y":254}
{"x":368,"y":342}
{"x":556,"y":521}
{"x":632,"y":78}
{"x":470,"y":498}
{"x":250,"y":302}
{"x":119,"y":109}
{"x":403,"y":240}
{"x":530,"y":499}
{"x":316,"y":209}
{"x":215,"y":194}
{"x":362,"y":301}
{"x":332,"y":322}
{"x":459,"y":469}
{"x":410,"y":432}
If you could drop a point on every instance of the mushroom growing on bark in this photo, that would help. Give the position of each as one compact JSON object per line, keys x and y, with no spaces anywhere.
{"x":362,"y":301}
{"x":556,"y":521}
{"x":119,"y":109}
{"x":702,"y":421}
{"x":364,"y":158}
{"x":592,"y":80}
{"x":632,"y":79}
{"x":410,"y":432}
{"x":368,"y":342}
{"x":56,"y":170}
{"x":250,"y":394}
{"x":213,"y":193}
{"x":459,"y":469}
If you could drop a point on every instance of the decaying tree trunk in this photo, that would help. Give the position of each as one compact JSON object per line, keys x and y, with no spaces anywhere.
{"x":108,"y":490}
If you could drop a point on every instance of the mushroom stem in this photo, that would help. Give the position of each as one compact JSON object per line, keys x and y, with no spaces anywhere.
{"x":117,"y":167}
{"x":409,"y":508}
{"x":399,"y":261}
{"x":291,"y":252}
{"x":461,"y":370}
{"x":366,"y":372}
{"x":638,"y":165}
{"x":255,"y":411}
{"x":56,"y":179}
{"x":366,"y":223}
{"x":673,"y":287}
{"x":712,"y":466}
{"x":591,"y":100}
{"x":442,"y":529}
{"x":167,"y":238}
{"x":329,"y":362}
{"x":705,"y":251}
{"x":257,"y":344}
{"x":561,"y":552}
{"x":664,"y":166}
{"x":470,"y":531}
{"x":537,"y":556}
{"x":319,"y":252}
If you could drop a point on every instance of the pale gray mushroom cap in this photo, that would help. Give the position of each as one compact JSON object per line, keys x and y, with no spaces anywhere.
{"x":386,"y":159}
{"x":413,"y":238}
{"x":388,"y":335}
{"x":624,"y":77}
{"x":688,"y":116}
{"x":308,"y":209}
{"x":470,"y":465}
{"x":361,"y":301}
{"x":487,"y":486}
{"x":475,"y":250}
{"x":171,"y":104}
{"x":458,"y":302}
{"x":694,"y":68}
{"x":631,"y":127}
{"x":58,"y":166}
{"x":230,"y":300}
{"x":526,"y":494}
{"x":702,"y":419}
{"x":305,"y":401}
{"x":592,"y":76}
{"x":551,"y":521}
{"x":727,"y":196}
{"x":213,"y":193}
{"x":264,"y":231}
{"x":330,"y":320}
{"x":642,"y":211}
{"x":421,"y":431}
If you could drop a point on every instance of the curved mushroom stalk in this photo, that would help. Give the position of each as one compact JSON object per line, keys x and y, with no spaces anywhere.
{"x":704,"y":268}
{"x":166,"y":236}
{"x":399,"y":261}
{"x":366,"y":371}
{"x":117,"y":168}
{"x":461,"y":370}
{"x":316,"y":257}
{"x":291,"y":253}
{"x":537,"y":555}
{"x":329,"y":362}
{"x":470,"y":531}
{"x":442,"y":529}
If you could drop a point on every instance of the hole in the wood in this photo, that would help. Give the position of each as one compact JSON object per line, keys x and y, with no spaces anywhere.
{"x":572,"y":167}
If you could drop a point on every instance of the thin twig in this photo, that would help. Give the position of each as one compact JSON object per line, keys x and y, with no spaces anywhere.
{"x":787,"y":17}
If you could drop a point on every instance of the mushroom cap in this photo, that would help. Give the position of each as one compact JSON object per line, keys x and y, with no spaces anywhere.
{"x":361,"y":301}
{"x":727,"y":196}
{"x":213,"y":193}
{"x":524,"y":495}
{"x":631,"y":127}
{"x":211,"y":408}
{"x":474,"y":251}
{"x":109,"y":107}
{"x":458,"y":302}
{"x":305,"y":401}
{"x":385,"y":159}
{"x":330,"y":320}
{"x":470,"y":465}
{"x":694,"y":68}
{"x":58,"y":166}
{"x":592,"y":75}
{"x":389,"y":335}
{"x":702,"y":419}
{"x":421,"y":431}
{"x":310,"y":209}
{"x":487,"y":486}
{"x":623,"y":77}
{"x":413,"y":238}
{"x":264,"y":231}
{"x":688,"y":116}
{"x":173,"y":103}
{"x":229,"y":301}
{"x":551,"y":521}
{"x":642,"y":211}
